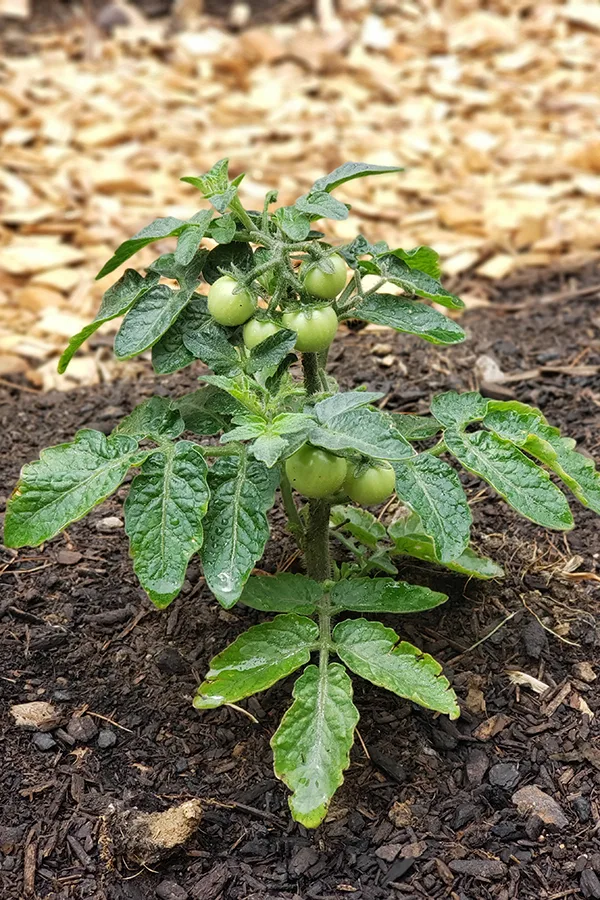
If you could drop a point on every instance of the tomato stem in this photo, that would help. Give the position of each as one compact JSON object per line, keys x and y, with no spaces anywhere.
{"x":310,"y":366}
{"x":316,"y":545}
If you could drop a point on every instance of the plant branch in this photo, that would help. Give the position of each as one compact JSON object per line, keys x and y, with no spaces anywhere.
{"x":316,"y":545}
{"x":291,"y":510}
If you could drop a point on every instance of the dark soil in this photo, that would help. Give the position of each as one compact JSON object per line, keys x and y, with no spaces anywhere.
{"x":428,"y":814}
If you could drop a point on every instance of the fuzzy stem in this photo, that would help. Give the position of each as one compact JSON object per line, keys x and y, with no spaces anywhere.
{"x":316,"y":551}
{"x":310,"y":366}
{"x":291,"y":510}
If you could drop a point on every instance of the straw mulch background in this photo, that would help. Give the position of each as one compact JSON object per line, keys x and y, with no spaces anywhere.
{"x":494,"y":112}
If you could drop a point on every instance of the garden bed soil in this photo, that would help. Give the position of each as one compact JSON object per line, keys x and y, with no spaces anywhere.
{"x":426,"y":810}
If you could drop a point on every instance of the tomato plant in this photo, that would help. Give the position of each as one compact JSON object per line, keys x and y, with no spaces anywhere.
{"x":283,"y":424}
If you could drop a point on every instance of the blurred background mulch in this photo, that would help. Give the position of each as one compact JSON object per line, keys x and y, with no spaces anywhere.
{"x":492,"y":107}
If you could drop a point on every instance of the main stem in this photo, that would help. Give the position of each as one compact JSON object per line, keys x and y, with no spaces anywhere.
{"x":310,"y":367}
{"x":318,"y":566}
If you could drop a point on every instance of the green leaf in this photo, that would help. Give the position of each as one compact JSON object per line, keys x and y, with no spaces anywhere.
{"x":367,"y":431}
{"x":383,"y":595}
{"x":425,"y":259}
{"x":357,"y":247}
{"x":207,"y":410}
{"x":215,"y":185}
{"x":65,"y":484}
{"x":360,"y":523}
{"x":340,"y":403}
{"x":187,"y":244}
{"x":416,"y":428}
{"x":469,"y":563}
{"x":527,"y":428}
{"x":285,"y":593}
{"x":115,"y":302}
{"x":258,"y":658}
{"x":517,"y":479}
{"x":321,"y":205}
{"x":209,"y":342}
{"x":432,"y":488}
{"x":170,"y":354}
{"x":349,"y":171}
{"x":452,"y":408}
{"x":271,"y":351}
{"x":294,"y":224}
{"x":187,"y":275}
{"x":311,"y":747}
{"x":414,"y":281}
{"x":376,"y":653}
{"x":409,"y":317}
{"x":148,"y":320}
{"x":155,"y":231}
{"x":163,"y":518}
{"x":241,"y":388}
{"x":269,"y":449}
{"x":154,"y":418}
{"x":225,"y":259}
{"x":222,"y":230}
{"x":236,"y":526}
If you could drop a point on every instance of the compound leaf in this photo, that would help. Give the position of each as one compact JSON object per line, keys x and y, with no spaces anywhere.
{"x":523,"y":484}
{"x":282,"y":593}
{"x":236,"y":526}
{"x":526,"y":427}
{"x":257,"y":659}
{"x":311,"y":747}
{"x":117,"y":300}
{"x":65,"y":484}
{"x":432,"y":489}
{"x":207,"y":410}
{"x":409,"y":317}
{"x":416,"y":428}
{"x":163,"y":518}
{"x":376,"y":653}
{"x":383,"y":595}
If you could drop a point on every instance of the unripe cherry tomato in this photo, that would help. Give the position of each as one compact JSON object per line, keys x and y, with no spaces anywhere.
{"x":327,"y":285}
{"x":315,"y":327}
{"x":227,"y":307}
{"x":372,"y":485}
{"x":314,"y":472}
{"x":256,"y":331}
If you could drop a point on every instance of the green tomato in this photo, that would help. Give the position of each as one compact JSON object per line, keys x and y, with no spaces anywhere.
{"x":315,"y":473}
{"x":370,"y":486}
{"x":227,"y":307}
{"x":256,"y":331}
{"x":315,"y":327}
{"x":327,"y":285}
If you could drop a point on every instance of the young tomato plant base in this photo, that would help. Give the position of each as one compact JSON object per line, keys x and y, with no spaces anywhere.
{"x":277,"y":293}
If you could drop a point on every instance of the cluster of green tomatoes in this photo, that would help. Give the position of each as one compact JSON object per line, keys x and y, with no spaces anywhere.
{"x":313,"y":472}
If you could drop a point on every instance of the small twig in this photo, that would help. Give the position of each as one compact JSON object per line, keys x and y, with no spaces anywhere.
{"x":363,"y":745}
{"x":244,"y":711}
{"x":233,"y":804}
{"x":18,"y":387}
{"x":548,"y":629}
{"x":483,"y":639}
{"x":110,"y":721}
